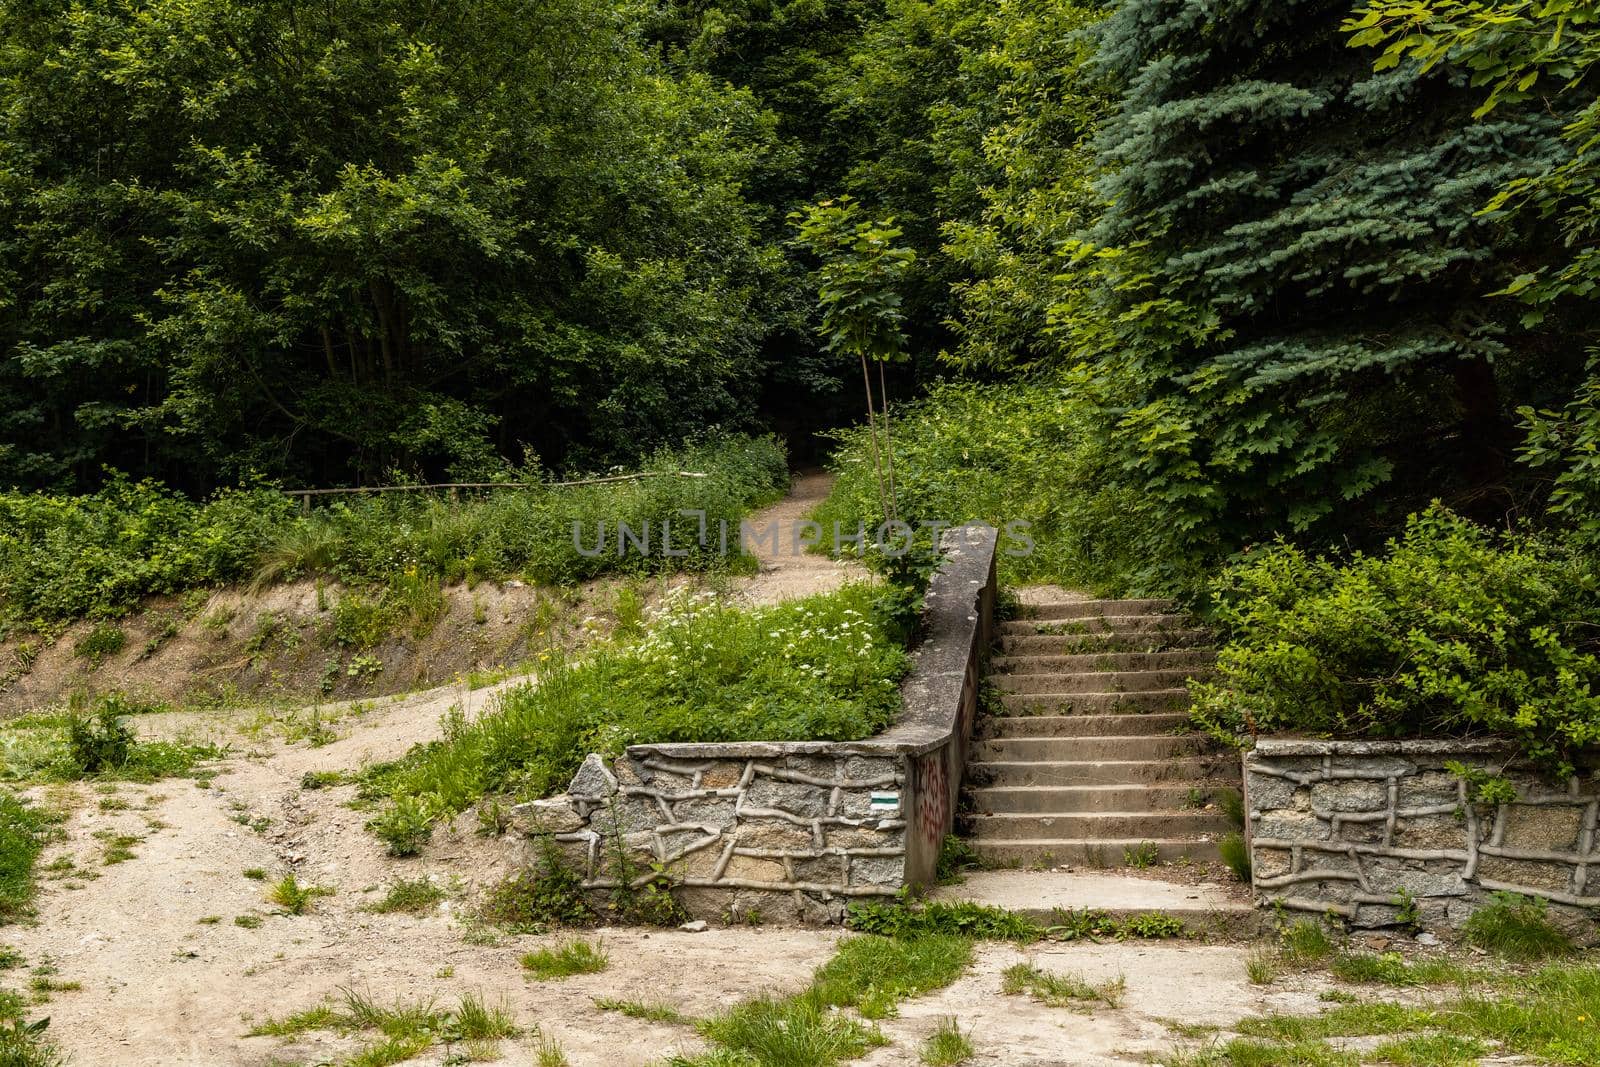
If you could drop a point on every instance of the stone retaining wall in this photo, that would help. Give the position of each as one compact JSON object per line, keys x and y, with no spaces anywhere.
{"x":1352,"y":827}
{"x":795,"y":830}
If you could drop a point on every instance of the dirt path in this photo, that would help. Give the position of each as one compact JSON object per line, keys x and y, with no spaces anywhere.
{"x":168,"y":977}
{"x":787,"y":569}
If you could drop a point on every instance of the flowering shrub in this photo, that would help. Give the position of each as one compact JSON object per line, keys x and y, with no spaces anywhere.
{"x":818,"y":669}
{"x":1455,"y":631}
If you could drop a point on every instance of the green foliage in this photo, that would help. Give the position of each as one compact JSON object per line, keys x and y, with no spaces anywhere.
{"x":1516,"y":928}
{"x":294,"y":898}
{"x":103,"y":640}
{"x":871,"y":974}
{"x":1290,"y":275}
{"x":68,"y":556}
{"x":819,"y":668}
{"x":859,"y":279}
{"x":956,"y":857}
{"x":1235,"y":852}
{"x":1026,"y":452}
{"x":406,"y":824}
{"x":23,"y":832}
{"x":24,"y":1044}
{"x":100,"y":740}
{"x":1453,"y":631}
{"x":62,"y":557}
{"x":982,"y":922}
{"x":538,"y":897}
{"x":474,"y":228}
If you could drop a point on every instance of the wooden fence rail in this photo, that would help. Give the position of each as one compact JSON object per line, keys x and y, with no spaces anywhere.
{"x":305,"y":495}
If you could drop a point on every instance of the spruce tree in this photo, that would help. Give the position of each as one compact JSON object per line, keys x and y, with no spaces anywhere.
{"x":1295,"y":271}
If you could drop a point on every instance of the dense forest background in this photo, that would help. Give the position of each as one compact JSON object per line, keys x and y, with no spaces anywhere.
{"x":1220,"y":271}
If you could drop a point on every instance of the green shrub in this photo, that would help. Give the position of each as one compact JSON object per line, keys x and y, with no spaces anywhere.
{"x":99,"y":740}
{"x":536,"y":898}
{"x":66,"y":557}
{"x":1453,"y":631}
{"x":819,"y":668}
{"x":1025,"y":451}
{"x":63,"y":557}
{"x":406,"y":824}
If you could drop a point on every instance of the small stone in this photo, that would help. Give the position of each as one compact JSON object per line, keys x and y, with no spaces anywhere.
{"x":696,"y":927}
{"x":1427,"y":939}
{"x":1379,"y":944}
{"x":594,"y":781}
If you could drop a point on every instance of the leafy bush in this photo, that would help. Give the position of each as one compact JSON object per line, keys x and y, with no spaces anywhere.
{"x":1453,"y":631}
{"x":62,"y":557}
{"x":1001,"y":453}
{"x":66,"y":557}
{"x":100,"y":741}
{"x":406,"y":824}
{"x":819,"y":668}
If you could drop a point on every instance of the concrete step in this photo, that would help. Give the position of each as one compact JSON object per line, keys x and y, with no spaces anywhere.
{"x":1084,"y":749}
{"x":1102,"y":661}
{"x":1087,"y":852}
{"x":1081,"y":725}
{"x":1096,"y":624}
{"x":1085,"y":609}
{"x":1004,"y":799}
{"x":1093,"y":825}
{"x":1102,"y":772}
{"x":1101,"y":703}
{"x":1033,"y":643}
{"x":1097,"y":681}
{"x":1222,"y":910}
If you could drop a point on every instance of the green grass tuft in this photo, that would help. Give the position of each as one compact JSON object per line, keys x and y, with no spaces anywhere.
{"x":566,"y":960}
{"x":1059,"y":989}
{"x":947,"y":1045}
{"x":414,"y":896}
{"x":1516,"y":928}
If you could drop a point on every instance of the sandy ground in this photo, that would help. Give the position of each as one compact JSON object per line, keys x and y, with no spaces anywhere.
{"x":168,"y":978}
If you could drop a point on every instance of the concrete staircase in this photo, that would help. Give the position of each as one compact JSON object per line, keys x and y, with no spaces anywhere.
{"x":1088,"y":761}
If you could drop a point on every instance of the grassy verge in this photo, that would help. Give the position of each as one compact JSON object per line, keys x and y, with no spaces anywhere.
{"x":1451,"y":1013}
{"x":67,"y":557}
{"x":23,"y":833}
{"x":821,"y":668}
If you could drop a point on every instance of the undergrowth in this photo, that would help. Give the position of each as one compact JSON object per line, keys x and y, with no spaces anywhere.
{"x":820,"y":668}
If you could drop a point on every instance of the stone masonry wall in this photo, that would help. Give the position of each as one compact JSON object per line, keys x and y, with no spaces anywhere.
{"x":791,"y":835}
{"x":794,"y":830}
{"x":1347,"y":826}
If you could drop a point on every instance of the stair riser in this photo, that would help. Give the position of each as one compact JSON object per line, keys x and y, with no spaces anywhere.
{"x":1087,"y":749}
{"x":1081,"y":725}
{"x":1005,"y":800}
{"x":1087,"y":609}
{"x":1091,"y":826}
{"x":1102,"y":661}
{"x":1037,"y":644}
{"x":1094,"y":624}
{"x":1096,"y":681}
{"x":1099,"y":854}
{"x":1094,"y":703}
{"x":1152,"y":772}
